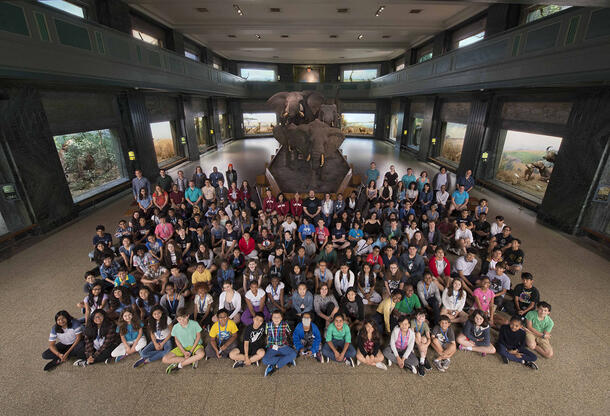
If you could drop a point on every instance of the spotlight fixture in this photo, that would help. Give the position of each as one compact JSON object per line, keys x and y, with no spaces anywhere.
{"x":308,"y":69}
{"x":343,"y":10}
{"x":258,"y":36}
{"x":415,"y":11}
{"x":386,"y":36}
{"x":202,"y":9}
{"x":238,"y":10}
{"x":360,"y":36}
{"x":231,"y":36}
{"x":284,"y":36}
{"x":333,"y":36}
{"x":379,"y":10}
{"x":274,"y":10}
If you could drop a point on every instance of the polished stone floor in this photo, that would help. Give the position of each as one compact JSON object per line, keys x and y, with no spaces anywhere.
{"x":46,"y":277}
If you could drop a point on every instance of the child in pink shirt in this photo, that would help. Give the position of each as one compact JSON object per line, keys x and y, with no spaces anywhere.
{"x":484,"y":298}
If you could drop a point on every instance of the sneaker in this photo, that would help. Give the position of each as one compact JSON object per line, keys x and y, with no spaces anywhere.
{"x":107,"y":361}
{"x":461,"y":348}
{"x":119,"y":358}
{"x":258,"y":363}
{"x":140,"y":362}
{"x":319,"y":357}
{"x":195,"y":365}
{"x":389,"y":363}
{"x":79,"y":363}
{"x":293,"y":363}
{"x":52,"y":364}
{"x":409,"y":367}
{"x":358,"y":362}
{"x":381,"y":366}
{"x":427,"y":365}
{"x":504,"y":360}
{"x":483,"y":354}
{"x":328,"y":359}
{"x":439,"y":366}
{"x":269,"y":370}
{"x":421,"y":370}
{"x":349,"y":362}
{"x":531,"y":364}
{"x":172,"y":367}
{"x":445,"y":363}
{"x":238,"y":364}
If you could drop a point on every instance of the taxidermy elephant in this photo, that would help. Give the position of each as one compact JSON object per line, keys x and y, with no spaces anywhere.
{"x":296,"y":107}
{"x":296,"y":141}
{"x":324,"y":141}
{"x":329,"y":114}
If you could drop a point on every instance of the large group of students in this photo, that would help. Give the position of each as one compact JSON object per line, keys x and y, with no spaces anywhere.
{"x":204,"y":270}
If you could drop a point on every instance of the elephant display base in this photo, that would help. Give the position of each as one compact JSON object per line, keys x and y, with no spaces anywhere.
{"x":293,"y":173}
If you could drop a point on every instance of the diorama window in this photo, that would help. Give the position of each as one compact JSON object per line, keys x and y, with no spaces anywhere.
{"x":359,"y":74}
{"x":92,"y":161}
{"x":163,"y":140}
{"x":452,"y":141}
{"x":539,"y":11}
{"x":145,"y":37}
{"x":225,"y":131}
{"x":394,"y":127}
{"x":66,"y":6}
{"x":526,"y":160}
{"x":258,"y":74}
{"x":361,"y":124}
{"x":204,"y":139}
{"x":415,"y":136}
{"x":471,"y":39}
{"x":259,"y":123}
{"x":400,"y":67}
{"x":425,"y":58}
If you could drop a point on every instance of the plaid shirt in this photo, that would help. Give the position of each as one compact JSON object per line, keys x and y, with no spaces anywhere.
{"x":111,"y":339}
{"x":279,"y":336}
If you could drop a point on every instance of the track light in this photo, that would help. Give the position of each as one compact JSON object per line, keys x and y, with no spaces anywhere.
{"x":360,"y":36}
{"x":258,"y":37}
{"x":379,"y":10}
{"x":238,"y":10}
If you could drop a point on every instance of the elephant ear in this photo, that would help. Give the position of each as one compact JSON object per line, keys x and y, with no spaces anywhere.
{"x":314,"y":101}
{"x":278,"y":101}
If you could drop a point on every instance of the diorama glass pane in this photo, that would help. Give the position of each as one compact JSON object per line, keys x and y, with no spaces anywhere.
{"x":224,"y":126}
{"x":358,"y":75}
{"x":471,"y":39}
{"x":259,"y":123}
{"x":163,"y":139}
{"x":66,"y":6}
{"x":544,"y":11}
{"x":145,"y":37}
{"x":416,"y":125}
{"x":204,"y":139}
{"x":191,"y":55}
{"x":527,"y":160}
{"x":393,"y":127}
{"x":358,"y":123}
{"x":257,"y":74}
{"x":90,"y":160}
{"x":453,"y":139}
{"x":425,"y":58}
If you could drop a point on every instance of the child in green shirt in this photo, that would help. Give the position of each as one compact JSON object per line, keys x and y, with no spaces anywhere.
{"x":539,"y":326}
{"x":409,"y":303}
{"x":338,"y":346}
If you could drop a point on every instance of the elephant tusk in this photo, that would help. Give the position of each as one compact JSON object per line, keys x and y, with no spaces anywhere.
{"x":301,"y":114}
{"x":322,"y":160}
{"x":308,"y":157}
{"x":285,"y":114}
{"x":289,"y":148}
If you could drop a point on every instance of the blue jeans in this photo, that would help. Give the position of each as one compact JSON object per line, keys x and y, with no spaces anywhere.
{"x":279,"y":357}
{"x":149,"y":352}
{"x":328,"y":352}
{"x":527,"y":355}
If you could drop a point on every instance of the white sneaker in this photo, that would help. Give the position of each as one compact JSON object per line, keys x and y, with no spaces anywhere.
{"x":80,"y":363}
{"x":389,"y":363}
{"x":381,"y":366}
{"x":357,"y":362}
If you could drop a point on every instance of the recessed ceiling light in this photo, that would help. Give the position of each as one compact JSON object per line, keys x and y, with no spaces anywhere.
{"x":333,"y":36}
{"x":343,"y":10}
{"x":360,"y":36}
{"x":415,"y":11}
{"x":379,"y":10}
{"x":238,"y":10}
{"x":258,"y":37}
{"x":284,"y":36}
{"x":231,"y":36}
{"x":274,"y":9}
{"x":202,"y":9}
{"x":386,"y":36}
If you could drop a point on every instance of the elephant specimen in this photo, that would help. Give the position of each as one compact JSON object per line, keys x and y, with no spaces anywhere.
{"x":296,"y":107}
{"x":323,"y":140}
{"x":329,"y":114}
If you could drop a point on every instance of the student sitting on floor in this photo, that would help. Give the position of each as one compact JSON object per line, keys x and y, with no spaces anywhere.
{"x":422,"y":340}
{"x":159,"y":327}
{"x":187,"y":337}
{"x":476,"y":335}
{"x":279,"y":352}
{"x":525,"y":297}
{"x":130,"y":329}
{"x":202,"y":305}
{"x":100,"y":339}
{"x":65,"y":340}
{"x":539,"y":327}
{"x":511,"y":344}
{"x":400,"y":349}
{"x":338,"y":346}
{"x":307,"y":338}
{"x":223,"y":336}
{"x":369,"y":346}
{"x":252,"y":349}
{"x":454,"y":299}
{"x":443,"y":342}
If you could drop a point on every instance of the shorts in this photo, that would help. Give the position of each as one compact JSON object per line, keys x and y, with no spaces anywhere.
{"x":251,"y":348}
{"x":543,"y":342}
{"x":178,"y":353}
